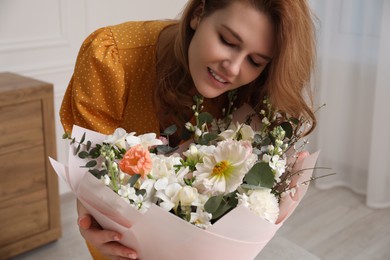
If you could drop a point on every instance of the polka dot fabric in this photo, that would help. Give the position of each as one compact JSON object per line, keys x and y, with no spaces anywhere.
{"x":114,"y":78}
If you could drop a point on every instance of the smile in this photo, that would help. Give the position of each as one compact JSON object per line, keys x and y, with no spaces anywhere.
{"x":216,"y":77}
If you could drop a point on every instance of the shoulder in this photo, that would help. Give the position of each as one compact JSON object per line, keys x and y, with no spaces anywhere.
{"x":138,"y":33}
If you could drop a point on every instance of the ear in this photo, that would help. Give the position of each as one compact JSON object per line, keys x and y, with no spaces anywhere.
{"x":197,"y":16}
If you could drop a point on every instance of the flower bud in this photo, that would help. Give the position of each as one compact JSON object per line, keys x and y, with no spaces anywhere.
{"x":198,"y":132}
{"x":187,"y":195}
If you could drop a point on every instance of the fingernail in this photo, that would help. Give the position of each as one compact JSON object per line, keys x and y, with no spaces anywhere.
{"x":117,"y":238}
{"x":132,"y":256}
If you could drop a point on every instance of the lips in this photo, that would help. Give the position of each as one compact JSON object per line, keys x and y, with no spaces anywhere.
{"x":217,"y":77}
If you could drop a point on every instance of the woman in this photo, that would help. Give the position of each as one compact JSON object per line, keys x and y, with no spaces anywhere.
{"x":142,"y":75}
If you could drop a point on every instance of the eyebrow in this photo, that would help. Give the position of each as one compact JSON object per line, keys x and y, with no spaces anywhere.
{"x":238,"y":37}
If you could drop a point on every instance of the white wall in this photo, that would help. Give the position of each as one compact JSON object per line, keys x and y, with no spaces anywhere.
{"x":41,"y":38}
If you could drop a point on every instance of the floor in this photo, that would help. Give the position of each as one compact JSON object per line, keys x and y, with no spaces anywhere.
{"x":333,"y":224}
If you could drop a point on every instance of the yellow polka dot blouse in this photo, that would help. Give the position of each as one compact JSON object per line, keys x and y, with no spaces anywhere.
{"x":113,"y":82}
{"x":114,"y":78}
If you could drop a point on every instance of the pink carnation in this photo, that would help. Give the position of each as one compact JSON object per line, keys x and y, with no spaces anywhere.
{"x":136,"y":161}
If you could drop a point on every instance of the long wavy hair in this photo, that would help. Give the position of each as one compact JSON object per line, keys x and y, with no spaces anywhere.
{"x":285,"y":80}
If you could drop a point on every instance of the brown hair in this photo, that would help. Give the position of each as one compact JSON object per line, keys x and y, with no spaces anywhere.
{"x":285,"y":80}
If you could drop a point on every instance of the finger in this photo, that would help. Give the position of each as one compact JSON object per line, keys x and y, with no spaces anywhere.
{"x":118,"y":251}
{"x":84,"y":221}
{"x":303,"y":155}
{"x":100,"y":236}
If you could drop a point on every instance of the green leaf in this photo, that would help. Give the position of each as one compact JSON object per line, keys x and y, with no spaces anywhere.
{"x":170,"y":130}
{"x":257,"y":139}
{"x":98,"y":174}
{"x":251,"y":187}
{"x":232,"y":199}
{"x":222,"y":209}
{"x":66,"y":135}
{"x":89,"y":143}
{"x":94,"y":152}
{"x":294,"y":120}
{"x":213,"y":203}
{"x":83,"y":154}
{"x":95,"y":172}
{"x":140,"y":192}
{"x":266,"y":141}
{"x":287,"y":127}
{"x":164,"y":149}
{"x":133,"y":179}
{"x":78,"y":149}
{"x":205,"y":117}
{"x":91,"y":164}
{"x":260,"y":174}
{"x":207,"y":138}
{"x":82,"y":138}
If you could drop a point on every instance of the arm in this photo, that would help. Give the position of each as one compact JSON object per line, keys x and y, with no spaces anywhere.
{"x":94,"y":100}
{"x":104,"y":241}
{"x":96,"y":94}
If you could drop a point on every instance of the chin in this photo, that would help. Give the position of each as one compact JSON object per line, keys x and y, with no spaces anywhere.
{"x":210,"y":94}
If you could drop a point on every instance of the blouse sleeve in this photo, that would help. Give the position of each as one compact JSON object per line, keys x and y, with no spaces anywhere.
{"x":95,"y":95}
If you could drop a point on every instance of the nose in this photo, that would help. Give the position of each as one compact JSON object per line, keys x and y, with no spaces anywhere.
{"x":232,"y":65}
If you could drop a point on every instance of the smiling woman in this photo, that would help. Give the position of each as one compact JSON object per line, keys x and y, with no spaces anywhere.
{"x":142,"y":76}
{"x":229,"y":49}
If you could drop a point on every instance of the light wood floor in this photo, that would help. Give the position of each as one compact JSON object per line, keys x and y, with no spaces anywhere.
{"x":333,"y":224}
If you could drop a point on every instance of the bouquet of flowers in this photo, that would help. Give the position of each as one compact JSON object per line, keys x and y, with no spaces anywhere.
{"x":222,"y":195}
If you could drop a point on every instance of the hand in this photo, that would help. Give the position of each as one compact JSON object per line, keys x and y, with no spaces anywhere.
{"x":105,"y":241}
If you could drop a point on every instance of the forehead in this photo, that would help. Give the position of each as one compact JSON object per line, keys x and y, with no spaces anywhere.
{"x":253,"y":26}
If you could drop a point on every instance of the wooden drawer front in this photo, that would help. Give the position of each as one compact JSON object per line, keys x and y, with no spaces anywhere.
{"x":20,"y":126}
{"x":23,"y":216}
{"x":22,"y":172}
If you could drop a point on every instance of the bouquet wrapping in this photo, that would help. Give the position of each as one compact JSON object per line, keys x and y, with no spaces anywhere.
{"x":159,"y":234}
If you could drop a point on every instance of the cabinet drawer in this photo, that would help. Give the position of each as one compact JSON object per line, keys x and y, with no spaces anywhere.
{"x":22,"y":172}
{"x":20,"y":126}
{"x":23,"y":216}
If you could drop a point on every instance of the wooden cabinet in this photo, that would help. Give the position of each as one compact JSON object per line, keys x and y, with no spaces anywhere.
{"x":29,"y":200}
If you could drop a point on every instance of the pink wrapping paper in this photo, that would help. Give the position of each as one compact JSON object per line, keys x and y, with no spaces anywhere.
{"x":158,"y":234}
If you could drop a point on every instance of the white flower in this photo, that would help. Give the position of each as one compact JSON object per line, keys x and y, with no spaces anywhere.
{"x":201,"y":218}
{"x":263,"y":203}
{"x":218,"y":125}
{"x":189,"y":127}
{"x":118,"y":138}
{"x":278,"y":165}
{"x":198,"y":132}
{"x":243,"y":200}
{"x":106,"y":179}
{"x":187,"y":195}
{"x":223,"y":171}
{"x":245,"y":132}
{"x":122,"y":175}
{"x":265,"y":121}
{"x":163,"y":166}
{"x":197,"y":152}
{"x":148,"y":185}
{"x":270,"y":149}
{"x":166,"y":192}
{"x":147,"y":140}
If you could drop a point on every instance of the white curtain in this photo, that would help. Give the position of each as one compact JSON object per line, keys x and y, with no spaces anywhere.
{"x":353,"y":79}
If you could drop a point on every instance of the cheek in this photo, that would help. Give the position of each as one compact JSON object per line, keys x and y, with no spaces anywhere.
{"x":250,"y":74}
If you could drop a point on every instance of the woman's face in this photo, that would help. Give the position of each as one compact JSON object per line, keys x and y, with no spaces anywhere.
{"x":230,"y":48}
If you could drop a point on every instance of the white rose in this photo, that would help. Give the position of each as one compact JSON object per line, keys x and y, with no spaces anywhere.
{"x":187,"y":195}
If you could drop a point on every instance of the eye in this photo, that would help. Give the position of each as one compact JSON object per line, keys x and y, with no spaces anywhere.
{"x":224,"y":41}
{"x":253,"y":63}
